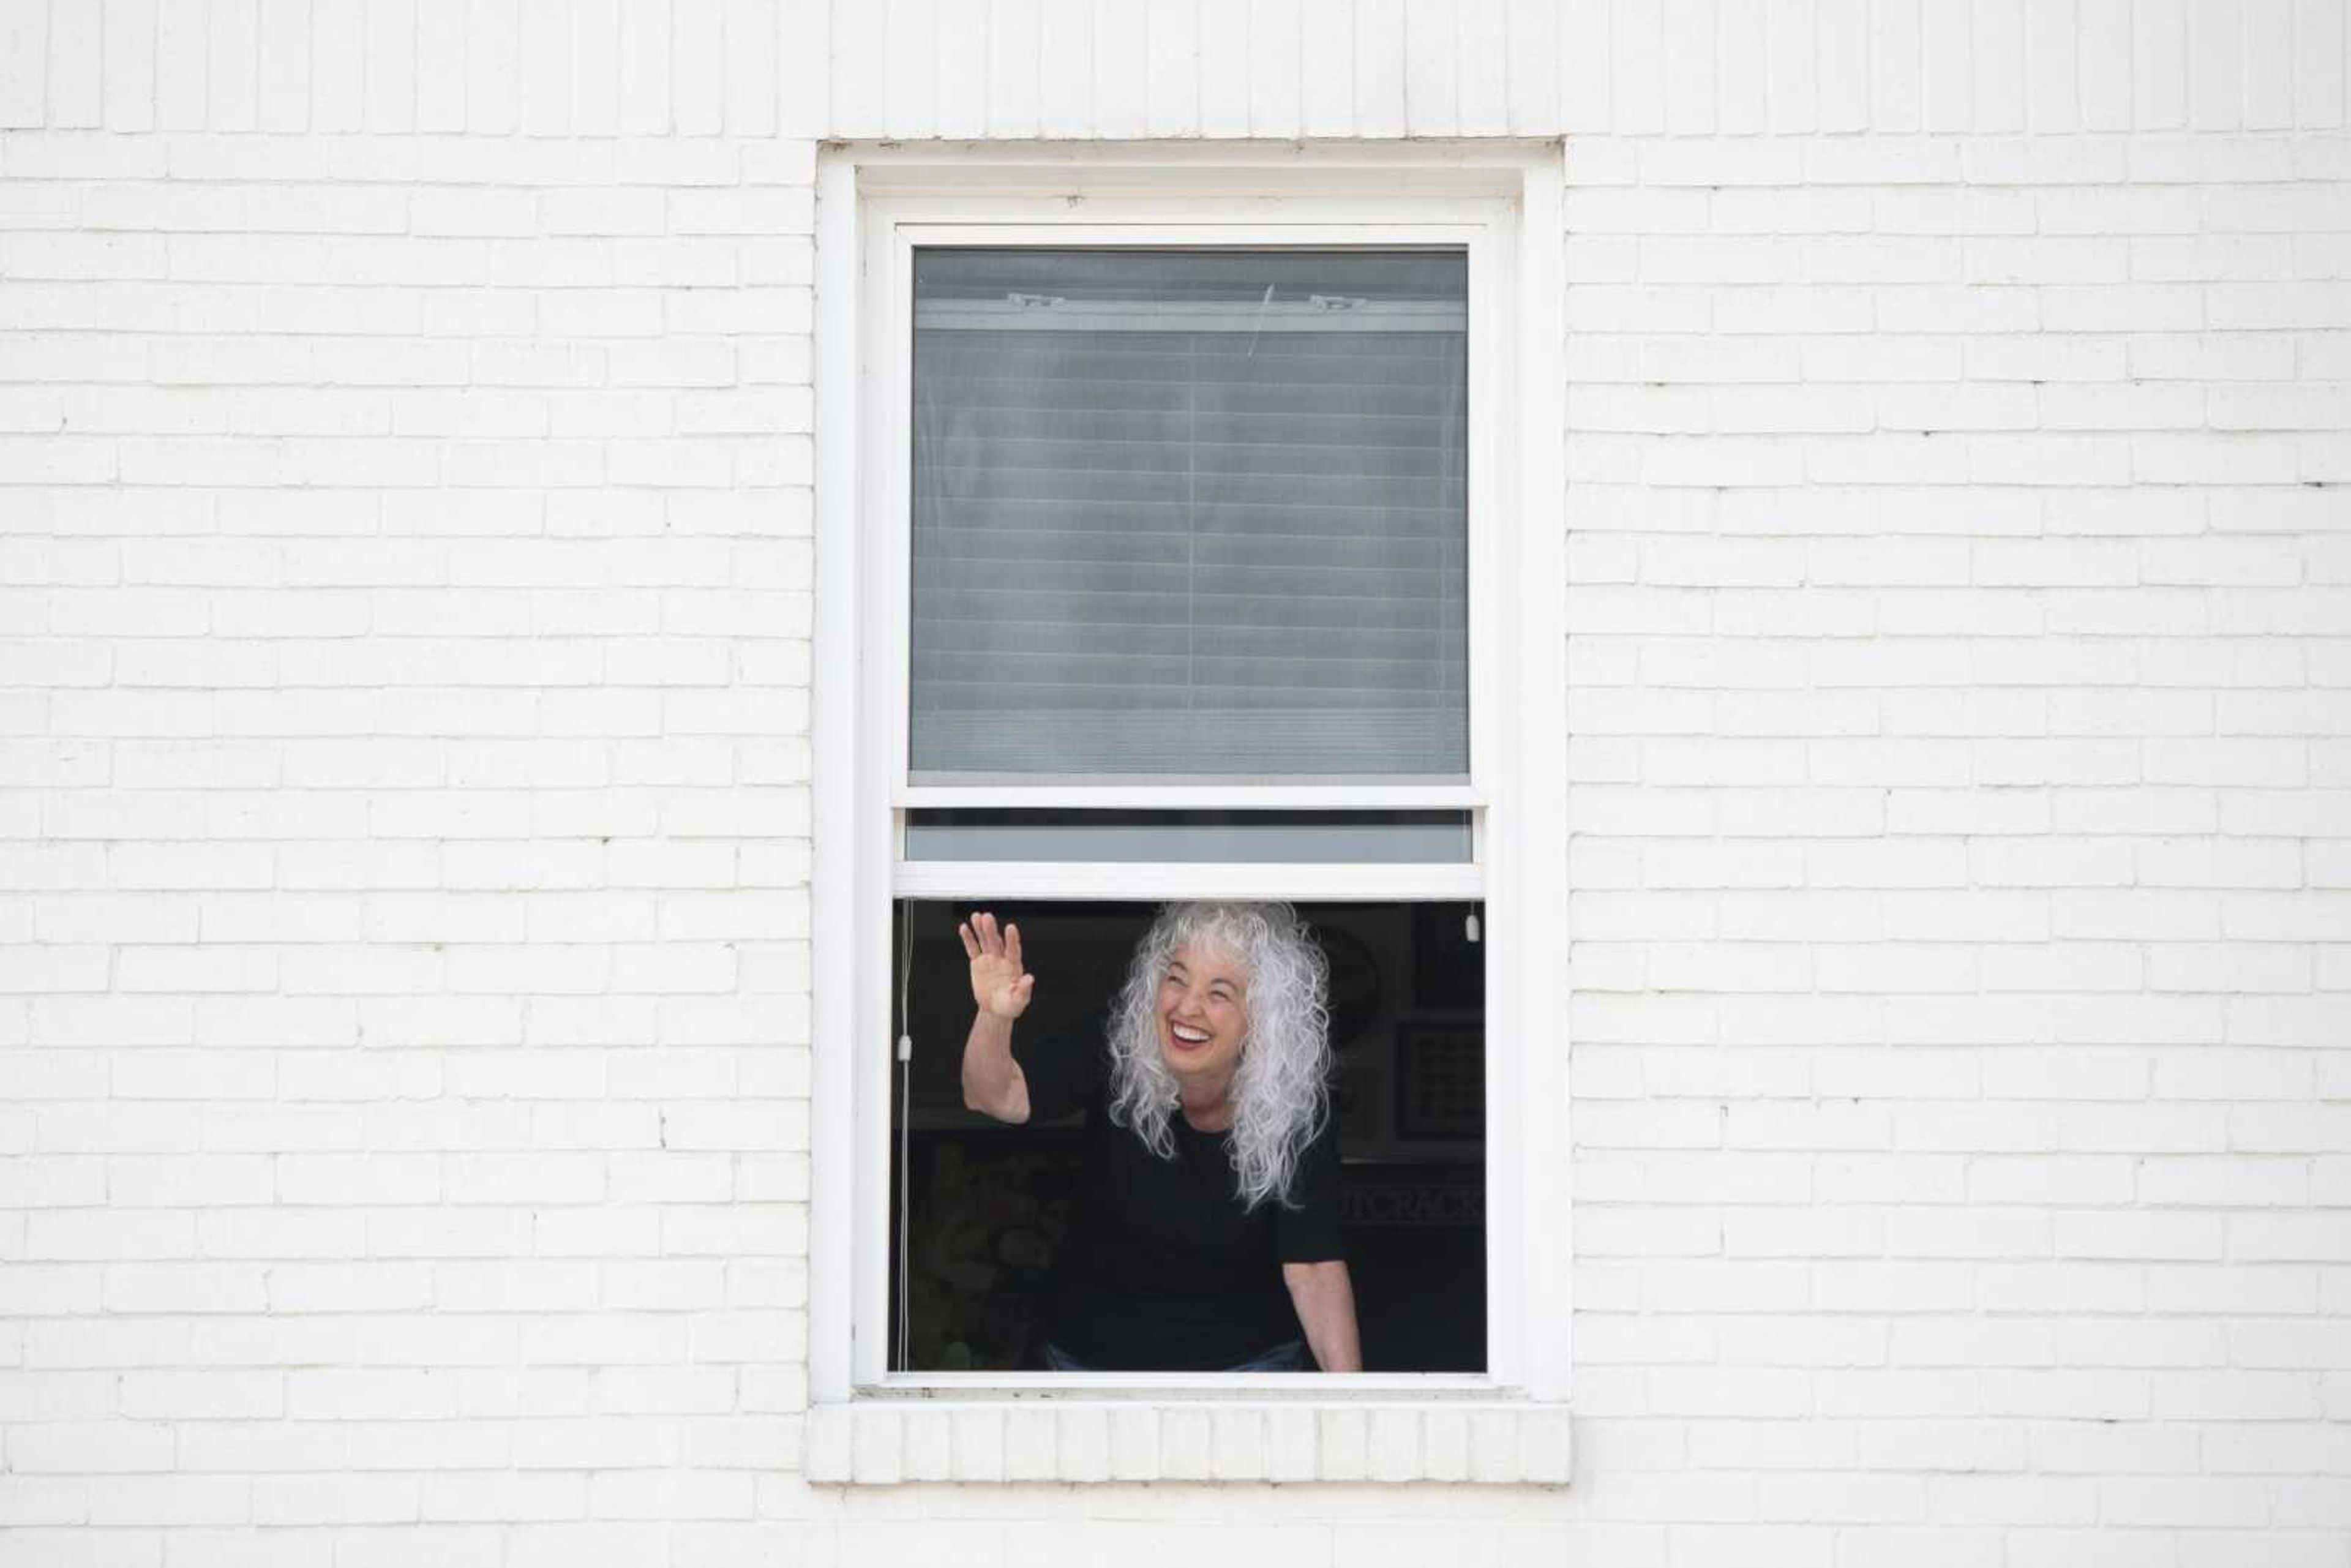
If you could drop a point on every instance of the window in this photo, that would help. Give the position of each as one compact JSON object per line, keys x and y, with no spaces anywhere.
{"x":1173,"y":542}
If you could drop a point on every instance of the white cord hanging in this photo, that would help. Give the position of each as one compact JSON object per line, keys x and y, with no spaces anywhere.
{"x":905,"y":1054}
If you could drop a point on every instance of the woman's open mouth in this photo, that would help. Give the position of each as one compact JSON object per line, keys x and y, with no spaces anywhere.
{"x":1187,"y":1038}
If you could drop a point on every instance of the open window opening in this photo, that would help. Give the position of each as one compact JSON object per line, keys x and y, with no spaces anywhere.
{"x":983,"y":1212}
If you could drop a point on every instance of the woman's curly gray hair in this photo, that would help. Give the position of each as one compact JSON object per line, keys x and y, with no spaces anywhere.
{"x":1282,"y":1096}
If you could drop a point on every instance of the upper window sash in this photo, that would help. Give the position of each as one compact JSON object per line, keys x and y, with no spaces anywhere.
{"x":1470,"y":226}
{"x":1189,"y":514}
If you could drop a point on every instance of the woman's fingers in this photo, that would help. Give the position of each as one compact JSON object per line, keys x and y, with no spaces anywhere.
{"x":992,"y":950}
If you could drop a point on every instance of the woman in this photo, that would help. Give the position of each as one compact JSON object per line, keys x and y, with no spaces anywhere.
{"x":1211,"y":1167}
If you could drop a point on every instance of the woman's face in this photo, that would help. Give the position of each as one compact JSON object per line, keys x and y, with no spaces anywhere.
{"x":1203,"y":1011}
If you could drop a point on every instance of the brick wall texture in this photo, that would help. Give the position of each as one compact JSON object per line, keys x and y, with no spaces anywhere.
{"x":404,"y":595}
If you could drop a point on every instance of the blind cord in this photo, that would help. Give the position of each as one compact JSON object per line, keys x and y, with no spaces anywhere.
{"x":906,"y":1118}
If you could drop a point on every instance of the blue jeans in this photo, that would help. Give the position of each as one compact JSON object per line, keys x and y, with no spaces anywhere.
{"x":1290,"y":1355}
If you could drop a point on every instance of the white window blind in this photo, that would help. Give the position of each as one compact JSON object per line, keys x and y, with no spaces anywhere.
{"x":1195,"y":514}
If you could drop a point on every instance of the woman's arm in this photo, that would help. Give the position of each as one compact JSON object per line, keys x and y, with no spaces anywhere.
{"x":1325,"y":1300}
{"x":992,"y":1080}
{"x":993,"y":1083}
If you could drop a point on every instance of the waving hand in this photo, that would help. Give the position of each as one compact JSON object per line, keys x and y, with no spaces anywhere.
{"x":998,"y":984}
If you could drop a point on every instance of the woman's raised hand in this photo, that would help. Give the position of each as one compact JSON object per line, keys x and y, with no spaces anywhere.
{"x":999,"y":985}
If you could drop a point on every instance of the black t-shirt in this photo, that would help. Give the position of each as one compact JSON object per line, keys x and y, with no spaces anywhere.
{"x":1162,"y":1268}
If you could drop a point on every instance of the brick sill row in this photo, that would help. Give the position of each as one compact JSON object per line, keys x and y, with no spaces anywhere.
{"x":892,"y":1442}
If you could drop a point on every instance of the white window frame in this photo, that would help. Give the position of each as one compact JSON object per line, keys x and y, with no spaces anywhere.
{"x":1499,"y":201}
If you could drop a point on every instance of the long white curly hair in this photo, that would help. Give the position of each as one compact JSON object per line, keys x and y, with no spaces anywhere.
{"x":1280,"y":1092}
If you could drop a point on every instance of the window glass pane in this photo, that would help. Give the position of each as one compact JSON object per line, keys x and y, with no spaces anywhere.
{"x":996,"y":1213}
{"x":1195,"y":514}
{"x":1280,"y":838}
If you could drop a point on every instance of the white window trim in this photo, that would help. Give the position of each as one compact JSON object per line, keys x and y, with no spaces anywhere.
{"x":1502,"y":199}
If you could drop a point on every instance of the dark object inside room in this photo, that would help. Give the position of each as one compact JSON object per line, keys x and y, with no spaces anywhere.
{"x":987,"y":1203}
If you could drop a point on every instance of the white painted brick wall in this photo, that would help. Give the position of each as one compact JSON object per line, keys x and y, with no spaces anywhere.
{"x":404,"y":451}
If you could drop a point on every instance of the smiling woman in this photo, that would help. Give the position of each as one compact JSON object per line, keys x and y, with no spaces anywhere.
{"x":1206,"y":1234}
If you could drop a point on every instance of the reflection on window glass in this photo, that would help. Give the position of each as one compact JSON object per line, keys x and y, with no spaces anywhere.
{"x":1189,"y":514}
